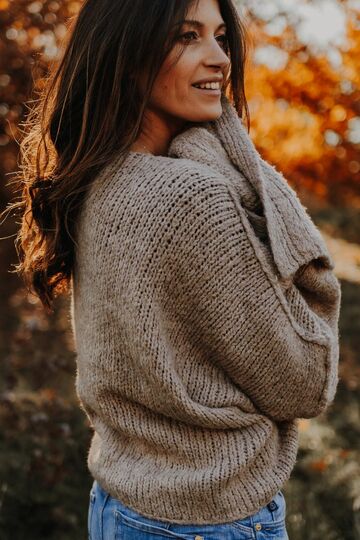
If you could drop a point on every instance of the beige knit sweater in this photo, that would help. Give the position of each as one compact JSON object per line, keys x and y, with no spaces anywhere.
{"x":205,"y":315}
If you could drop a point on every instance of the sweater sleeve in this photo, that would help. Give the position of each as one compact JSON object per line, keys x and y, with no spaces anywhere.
{"x":277,"y":342}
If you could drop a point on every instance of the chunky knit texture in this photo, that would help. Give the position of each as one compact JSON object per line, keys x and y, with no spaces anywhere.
{"x":205,"y":315}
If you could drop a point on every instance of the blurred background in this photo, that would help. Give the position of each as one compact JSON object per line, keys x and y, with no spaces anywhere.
{"x":303,"y":89}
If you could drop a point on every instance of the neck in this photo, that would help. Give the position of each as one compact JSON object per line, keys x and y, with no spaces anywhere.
{"x":158,"y":130}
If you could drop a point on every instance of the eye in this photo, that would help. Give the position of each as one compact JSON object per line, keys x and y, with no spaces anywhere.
{"x":223,"y":40}
{"x":186,"y":35}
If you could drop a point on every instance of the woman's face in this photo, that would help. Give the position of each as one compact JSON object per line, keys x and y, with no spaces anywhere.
{"x":204,"y":58}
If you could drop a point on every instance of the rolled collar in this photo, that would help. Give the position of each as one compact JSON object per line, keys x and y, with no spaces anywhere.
{"x":294,"y":238}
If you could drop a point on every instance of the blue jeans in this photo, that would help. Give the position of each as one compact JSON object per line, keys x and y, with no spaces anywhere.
{"x":110,"y":519}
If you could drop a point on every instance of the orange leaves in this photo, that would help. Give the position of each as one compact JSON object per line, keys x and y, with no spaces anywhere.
{"x":319,"y":465}
{"x":338,"y":113}
{"x":303,"y":424}
{"x":300,"y":115}
{"x":4,"y":4}
{"x":48,"y":394}
{"x":331,"y":457}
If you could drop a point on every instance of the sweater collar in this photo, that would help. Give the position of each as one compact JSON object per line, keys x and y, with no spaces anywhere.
{"x":294,"y":238}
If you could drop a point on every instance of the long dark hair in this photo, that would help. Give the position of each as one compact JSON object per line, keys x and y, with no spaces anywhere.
{"x":91,"y":108}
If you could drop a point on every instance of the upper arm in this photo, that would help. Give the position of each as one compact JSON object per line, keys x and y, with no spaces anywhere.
{"x":281,"y":354}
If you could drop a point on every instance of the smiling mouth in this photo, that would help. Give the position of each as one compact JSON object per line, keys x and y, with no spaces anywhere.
{"x":208,"y":86}
{"x":208,"y":92}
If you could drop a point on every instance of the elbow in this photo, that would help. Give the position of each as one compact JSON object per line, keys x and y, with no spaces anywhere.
{"x":330,"y":378}
{"x":309,"y":392}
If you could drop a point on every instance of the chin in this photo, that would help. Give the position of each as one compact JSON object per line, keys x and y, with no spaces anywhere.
{"x":207,"y":115}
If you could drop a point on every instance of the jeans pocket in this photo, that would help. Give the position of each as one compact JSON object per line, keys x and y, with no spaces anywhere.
{"x":131,"y":528}
{"x":137,"y":527}
{"x":214,"y":531}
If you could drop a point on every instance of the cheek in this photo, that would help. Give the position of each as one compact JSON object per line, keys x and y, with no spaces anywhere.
{"x":171,"y":88}
{"x":176,"y":82}
{"x":163,"y":86}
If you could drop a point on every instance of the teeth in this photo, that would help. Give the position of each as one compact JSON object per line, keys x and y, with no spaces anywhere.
{"x":209,"y":85}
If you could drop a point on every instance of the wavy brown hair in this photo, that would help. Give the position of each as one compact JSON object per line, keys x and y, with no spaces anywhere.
{"x":90,"y":108}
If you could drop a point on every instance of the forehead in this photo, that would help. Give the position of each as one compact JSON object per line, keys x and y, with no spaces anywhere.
{"x":204,"y":13}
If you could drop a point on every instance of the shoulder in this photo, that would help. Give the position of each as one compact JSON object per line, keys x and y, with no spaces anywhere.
{"x":192,"y":191}
{"x":163,"y":177}
{"x":191,"y":177}
{"x":192,"y":199}
{"x":161,"y":188}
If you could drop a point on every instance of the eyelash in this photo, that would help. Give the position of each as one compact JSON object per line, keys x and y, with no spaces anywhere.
{"x":224,"y":36}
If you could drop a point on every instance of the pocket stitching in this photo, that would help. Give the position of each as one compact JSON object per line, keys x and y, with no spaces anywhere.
{"x":274,"y":525}
{"x":241,"y":527}
{"x":146,"y":527}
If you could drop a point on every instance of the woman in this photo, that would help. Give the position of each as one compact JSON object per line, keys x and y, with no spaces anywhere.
{"x":204,"y":303}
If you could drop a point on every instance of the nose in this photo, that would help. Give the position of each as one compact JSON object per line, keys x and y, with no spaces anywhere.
{"x":214,"y":55}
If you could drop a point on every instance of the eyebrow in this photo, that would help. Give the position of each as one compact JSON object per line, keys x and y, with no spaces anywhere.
{"x":199,"y":24}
